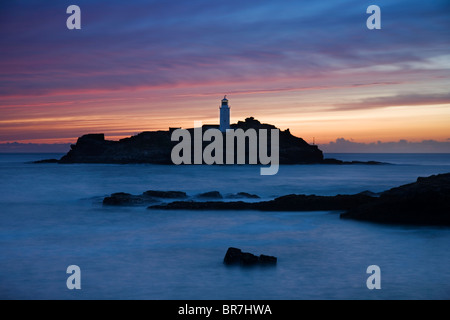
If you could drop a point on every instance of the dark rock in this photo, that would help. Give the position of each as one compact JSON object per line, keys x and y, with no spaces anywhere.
{"x":146,"y":147}
{"x":100,"y":137}
{"x":148,"y":197}
{"x":267,"y":259}
{"x":248,"y":259}
{"x":210,"y":195}
{"x":236,"y":256}
{"x":302,"y":202}
{"x":332,"y":161}
{"x":232,"y":256}
{"x":286,"y":203}
{"x":425,"y":202}
{"x":370,"y":193}
{"x":365,"y":162}
{"x":205,"y":205}
{"x":126,"y":199}
{"x":335,"y":161}
{"x":46,"y":161}
{"x":243,"y":195}
{"x":166,"y":194}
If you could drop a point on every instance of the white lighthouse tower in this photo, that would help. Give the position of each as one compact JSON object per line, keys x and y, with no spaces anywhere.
{"x":224,"y":115}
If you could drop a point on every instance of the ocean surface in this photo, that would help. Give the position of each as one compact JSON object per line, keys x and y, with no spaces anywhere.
{"x":51,"y":217}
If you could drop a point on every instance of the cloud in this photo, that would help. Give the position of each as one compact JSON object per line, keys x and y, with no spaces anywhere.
{"x":395,"y":101}
{"x":155,"y":43}
{"x":171,"y":49}
{"x":16,"y":147}
{"x":342,"y":145}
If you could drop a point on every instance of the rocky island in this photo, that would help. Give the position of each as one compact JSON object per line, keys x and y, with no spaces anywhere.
{"x":155,"y":147}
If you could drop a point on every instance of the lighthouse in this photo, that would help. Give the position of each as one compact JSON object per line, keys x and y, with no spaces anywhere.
{"x":224,"y":115}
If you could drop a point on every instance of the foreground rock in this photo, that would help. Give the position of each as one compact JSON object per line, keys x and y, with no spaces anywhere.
{"x":206,"y":205}
{"x":166,"y":194}
{"x":424,"y":202}
{"x":236,"y":256}
{"x":210,"y":195}
{"x":301,"y":202}
{"x":126,"y":199}
{"x":155,"y":196}
{"x":243,"y":195}
{"x":286,"y":203}
{"x":148,"y":197}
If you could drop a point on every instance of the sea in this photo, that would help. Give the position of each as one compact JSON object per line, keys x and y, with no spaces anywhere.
{"x":52,"y":217}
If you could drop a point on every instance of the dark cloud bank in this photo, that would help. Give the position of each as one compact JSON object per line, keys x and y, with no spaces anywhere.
{"x":16,"y":147}
{"x":341,"y":145}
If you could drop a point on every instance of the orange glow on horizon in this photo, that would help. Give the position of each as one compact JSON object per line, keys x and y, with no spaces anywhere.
{"x":391,"y":124}
{"x":309,"y":109}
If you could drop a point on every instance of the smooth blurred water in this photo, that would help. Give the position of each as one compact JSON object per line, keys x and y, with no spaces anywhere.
{"x":52,"y":217}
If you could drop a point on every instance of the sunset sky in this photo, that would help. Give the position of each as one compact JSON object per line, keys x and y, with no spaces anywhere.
{"x":141,"y":65}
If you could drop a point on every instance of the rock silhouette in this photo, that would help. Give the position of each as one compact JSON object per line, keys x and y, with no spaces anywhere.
{"x":424,"y":202}
{"x":210,"y":195}
{"x":243,"y":195}
{"x":156,"y":146}
{"x":236,"y":256}
{"x":291,"y":202}
{"x":155,"y":196}
{"x":148,"y":197}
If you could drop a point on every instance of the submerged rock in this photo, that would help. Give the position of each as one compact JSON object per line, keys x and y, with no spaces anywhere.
{"x":243,"y":195}
{"x":166,"y":194}
{"x":267,"y":259}
{"x":205,"y":205}
{"x":210,"y":195}
{"x":46,"y":161}
{"x":335,"y":161}
{"x":148,"y":197}
{"x":293,"y":202}
{"x":126,"y":199}
{"x":236,"y":256}
{"x":301,"y":202}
